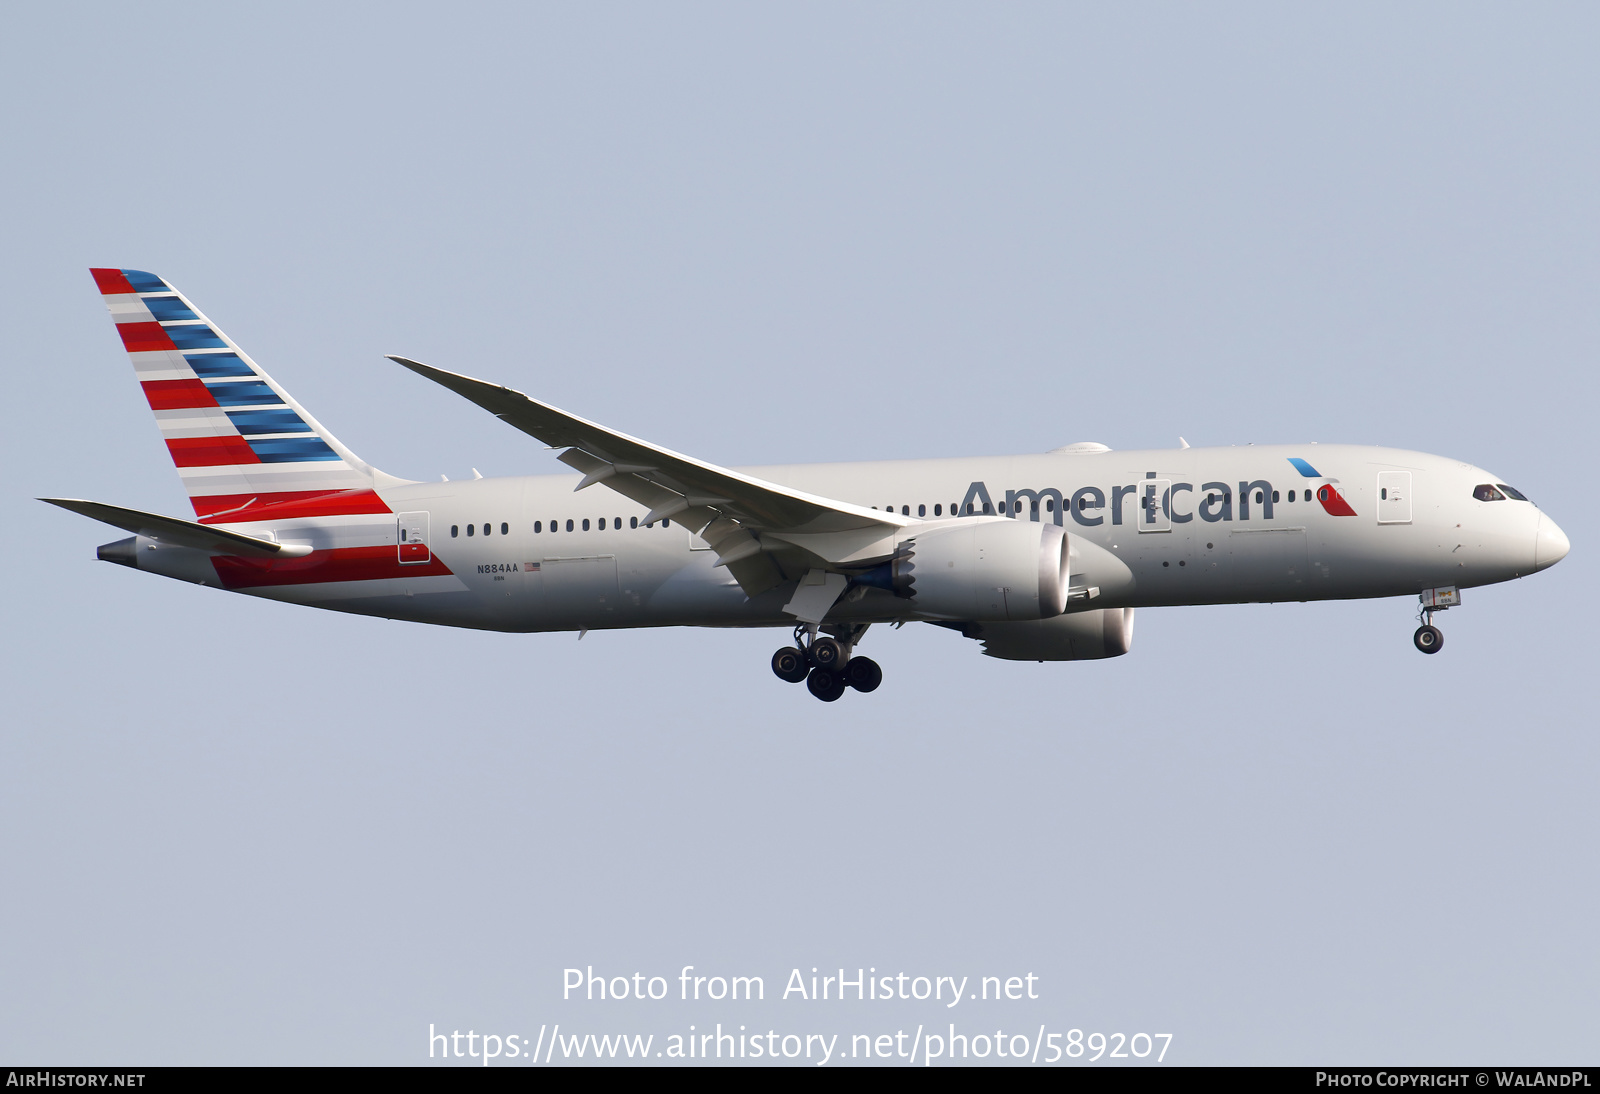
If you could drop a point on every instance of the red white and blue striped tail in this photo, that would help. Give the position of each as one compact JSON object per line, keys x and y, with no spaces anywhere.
{"x":246,"y":451}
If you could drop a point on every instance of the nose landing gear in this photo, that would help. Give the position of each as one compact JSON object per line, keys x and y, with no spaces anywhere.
{"x":825,"y":664}
{"x":1430,"y":639}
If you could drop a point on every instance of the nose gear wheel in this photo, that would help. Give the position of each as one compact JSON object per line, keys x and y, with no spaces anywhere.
{"x":1430,"y":639}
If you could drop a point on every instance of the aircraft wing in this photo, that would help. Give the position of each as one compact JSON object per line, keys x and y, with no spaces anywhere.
{"x":180,"y":533}
{"x":760,"y":530}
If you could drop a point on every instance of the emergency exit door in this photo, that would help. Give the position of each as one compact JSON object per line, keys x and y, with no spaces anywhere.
{"x":412,"y":537}
{"x":1155,"y":505}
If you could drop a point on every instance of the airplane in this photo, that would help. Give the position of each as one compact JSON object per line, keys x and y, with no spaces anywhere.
{"x":1038,"y":557}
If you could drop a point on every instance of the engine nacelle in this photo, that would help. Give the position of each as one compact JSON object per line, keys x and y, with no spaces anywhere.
{"x":1080,"y":636}
{"x":986,"y":569}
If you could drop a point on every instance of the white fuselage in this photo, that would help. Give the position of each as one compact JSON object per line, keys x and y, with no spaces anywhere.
{"x":1160,"y":527}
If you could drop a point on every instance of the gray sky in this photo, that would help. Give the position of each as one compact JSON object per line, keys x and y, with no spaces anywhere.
{"x":237,"y":831}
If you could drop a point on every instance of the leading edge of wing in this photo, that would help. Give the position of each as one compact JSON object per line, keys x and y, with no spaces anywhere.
{"x":615,"y":458}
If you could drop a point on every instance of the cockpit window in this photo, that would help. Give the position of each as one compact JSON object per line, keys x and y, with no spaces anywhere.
{"x":1486,"y":492}
{"x":1516,"y":495}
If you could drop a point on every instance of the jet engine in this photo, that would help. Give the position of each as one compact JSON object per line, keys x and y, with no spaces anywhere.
{"x":1080,"y":636}
{"x":981,"y":569}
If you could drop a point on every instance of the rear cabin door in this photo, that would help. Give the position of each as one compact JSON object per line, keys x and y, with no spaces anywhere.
{"x":1394,"y":497}
{"x":412,"y":536}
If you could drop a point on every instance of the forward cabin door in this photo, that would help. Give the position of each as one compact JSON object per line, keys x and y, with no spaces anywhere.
{"x":411,"y":535}
{"x":1394,"y":497}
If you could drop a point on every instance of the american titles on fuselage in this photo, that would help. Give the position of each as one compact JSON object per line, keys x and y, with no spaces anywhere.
{"x":1156,"y":500}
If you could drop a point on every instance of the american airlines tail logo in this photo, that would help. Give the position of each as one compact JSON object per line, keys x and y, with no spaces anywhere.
{"x":1216,"y":500}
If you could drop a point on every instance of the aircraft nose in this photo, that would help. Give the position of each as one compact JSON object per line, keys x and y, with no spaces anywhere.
{"x":1550,"y":544}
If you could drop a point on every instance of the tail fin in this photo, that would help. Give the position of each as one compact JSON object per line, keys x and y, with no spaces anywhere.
{"x":244,"y":448}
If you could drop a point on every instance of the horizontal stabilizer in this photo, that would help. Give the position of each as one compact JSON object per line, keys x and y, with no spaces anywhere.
{"x":181,"y":533}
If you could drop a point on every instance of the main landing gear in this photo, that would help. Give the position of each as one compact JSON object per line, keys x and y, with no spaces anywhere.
{"x":1430,"y":639}
{"x":825,"y":664}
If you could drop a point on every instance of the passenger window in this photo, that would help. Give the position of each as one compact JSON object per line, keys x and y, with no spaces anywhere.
{"x":471,"y":528}
{"x":1308,"y":495}
{"x":1258,"y":497}
{"x":402,"y":535}
{"x":938,"y":510}
{"x":633,"y":522}
{"x":602,"y":524}
{"x":1486,"y":492}
{"x":1383,"y":495}
{"x":1274,"y":495}
{"x":555,"y":526}
{"x":487,"y":528}
{"x":585,"y":524}
{"x":505,"y":529}
{"x":1516,"y":495}
{"x":454,"y":530}
{"x":569,"y":524}
{"x":1292,"y":494}
{"x":616,"y":522}
{"x":538,"y":527}
{"x":922,"y":510}
{"x":1049,"y":505}
{"x":666,"y":524}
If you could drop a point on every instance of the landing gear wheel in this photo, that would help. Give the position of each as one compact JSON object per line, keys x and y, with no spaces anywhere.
{"x":825,"y":685}
{"x":863,"y":674}
{"x":826,"y":653}
{"x":789,"y":665}
{"x":1429,"y":639}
